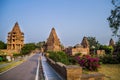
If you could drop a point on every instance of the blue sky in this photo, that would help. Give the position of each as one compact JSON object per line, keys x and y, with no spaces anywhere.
{"x":72,"y":19}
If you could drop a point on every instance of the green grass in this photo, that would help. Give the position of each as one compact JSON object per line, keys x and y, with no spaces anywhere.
{"x":10,"y":66}
{"x":111,"y":71}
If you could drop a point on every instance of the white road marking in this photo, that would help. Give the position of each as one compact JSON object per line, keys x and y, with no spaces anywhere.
{"x":37,"y":72}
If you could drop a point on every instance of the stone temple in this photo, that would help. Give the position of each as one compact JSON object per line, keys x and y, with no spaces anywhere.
{"x":111,"y":42}
{"x":82,"y":48}
{"x":53,"y":42}
{"x":15,"y":39}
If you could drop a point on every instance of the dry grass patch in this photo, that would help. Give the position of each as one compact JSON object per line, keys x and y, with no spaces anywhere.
{"x":111,"y":71}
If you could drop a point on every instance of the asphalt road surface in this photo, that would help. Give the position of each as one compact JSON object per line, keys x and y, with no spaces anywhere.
{"x":25,"y":71}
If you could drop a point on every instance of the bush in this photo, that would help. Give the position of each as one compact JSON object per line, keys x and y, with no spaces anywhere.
{"x":109,"y":59}
{"x":62,"y":57}
{"x":1,"y":59}
{"x":108,"y":49}
{"x":17,"y":54}
{"x":88,"y":62}
{"x":59,"y":57}
{"x":118,"y":57}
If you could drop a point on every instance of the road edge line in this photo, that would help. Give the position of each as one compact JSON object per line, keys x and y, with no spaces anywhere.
{"x":37,"y":72}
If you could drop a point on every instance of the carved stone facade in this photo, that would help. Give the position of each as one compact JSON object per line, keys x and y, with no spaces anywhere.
{"x":15,"y":39}
{"x":53,"y":42}
{"x":79,"y":48}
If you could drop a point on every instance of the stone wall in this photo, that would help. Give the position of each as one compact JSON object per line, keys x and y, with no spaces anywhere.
{"x":73,"y":72}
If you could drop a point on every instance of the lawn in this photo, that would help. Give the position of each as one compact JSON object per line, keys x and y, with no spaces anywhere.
{"x":111,"y":71}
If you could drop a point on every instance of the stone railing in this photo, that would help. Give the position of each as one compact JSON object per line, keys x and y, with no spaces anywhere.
{"x":73,"y":72}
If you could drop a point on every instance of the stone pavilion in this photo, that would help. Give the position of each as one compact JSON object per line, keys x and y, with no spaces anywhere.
{"x":15,"y":38}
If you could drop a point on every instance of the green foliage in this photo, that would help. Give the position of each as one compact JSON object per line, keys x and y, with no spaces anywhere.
{"x":61,"y":57}
{"x":93,"y":42}
{"x":109,"y":59}
{"x":118,"y":57}
{"x":17,"y":54}
{"x":117,"y":47}
{"x":40,"y":44}
{"x":28,"y":48}
{"x":108,"y":49}
{"x":114,"y":18}
{"x":2,"y":45}
{"x":1,"y":59}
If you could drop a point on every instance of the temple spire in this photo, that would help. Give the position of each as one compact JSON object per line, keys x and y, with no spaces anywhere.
{"x":53,"y":42}
{"x":111,"y":42}
{"x":16,"y":27}
{"x":85,"y":42}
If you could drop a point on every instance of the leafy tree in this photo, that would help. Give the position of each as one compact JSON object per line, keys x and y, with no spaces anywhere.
{"x":28,"y":48}
{"x":114,"y":18}
{"x":2,"y":45}
{"x":93,"y":42}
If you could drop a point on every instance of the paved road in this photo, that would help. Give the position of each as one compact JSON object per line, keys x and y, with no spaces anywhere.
{"x":25,"y":71}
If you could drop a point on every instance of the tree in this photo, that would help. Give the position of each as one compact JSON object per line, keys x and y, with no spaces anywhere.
{"x":108,"y":49}
{"x":93,"y":42}
{"x":40,"y":44}
{"x":114,"y":18}
{"x":28,"y":48}
{"x":2,"y":45}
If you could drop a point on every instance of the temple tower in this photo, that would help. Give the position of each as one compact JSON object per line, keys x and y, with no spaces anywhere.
{"x":53,"y":42}
{"x":85,"y":43}
{"x":111,"y":43}
{"x":15,"y":39}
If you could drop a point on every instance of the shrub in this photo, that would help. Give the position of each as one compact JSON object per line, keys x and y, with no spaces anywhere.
{"x":108,"y":49}
{"x":17,"y":54}
{"x":58,"y":57}
{"x":1,"y":59}
{"x":109,"y":59}
{"x":88,"y":62}
{"x":61,"y":57}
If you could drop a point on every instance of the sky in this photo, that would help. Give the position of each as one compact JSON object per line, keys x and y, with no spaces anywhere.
{"x":72,"y":19}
